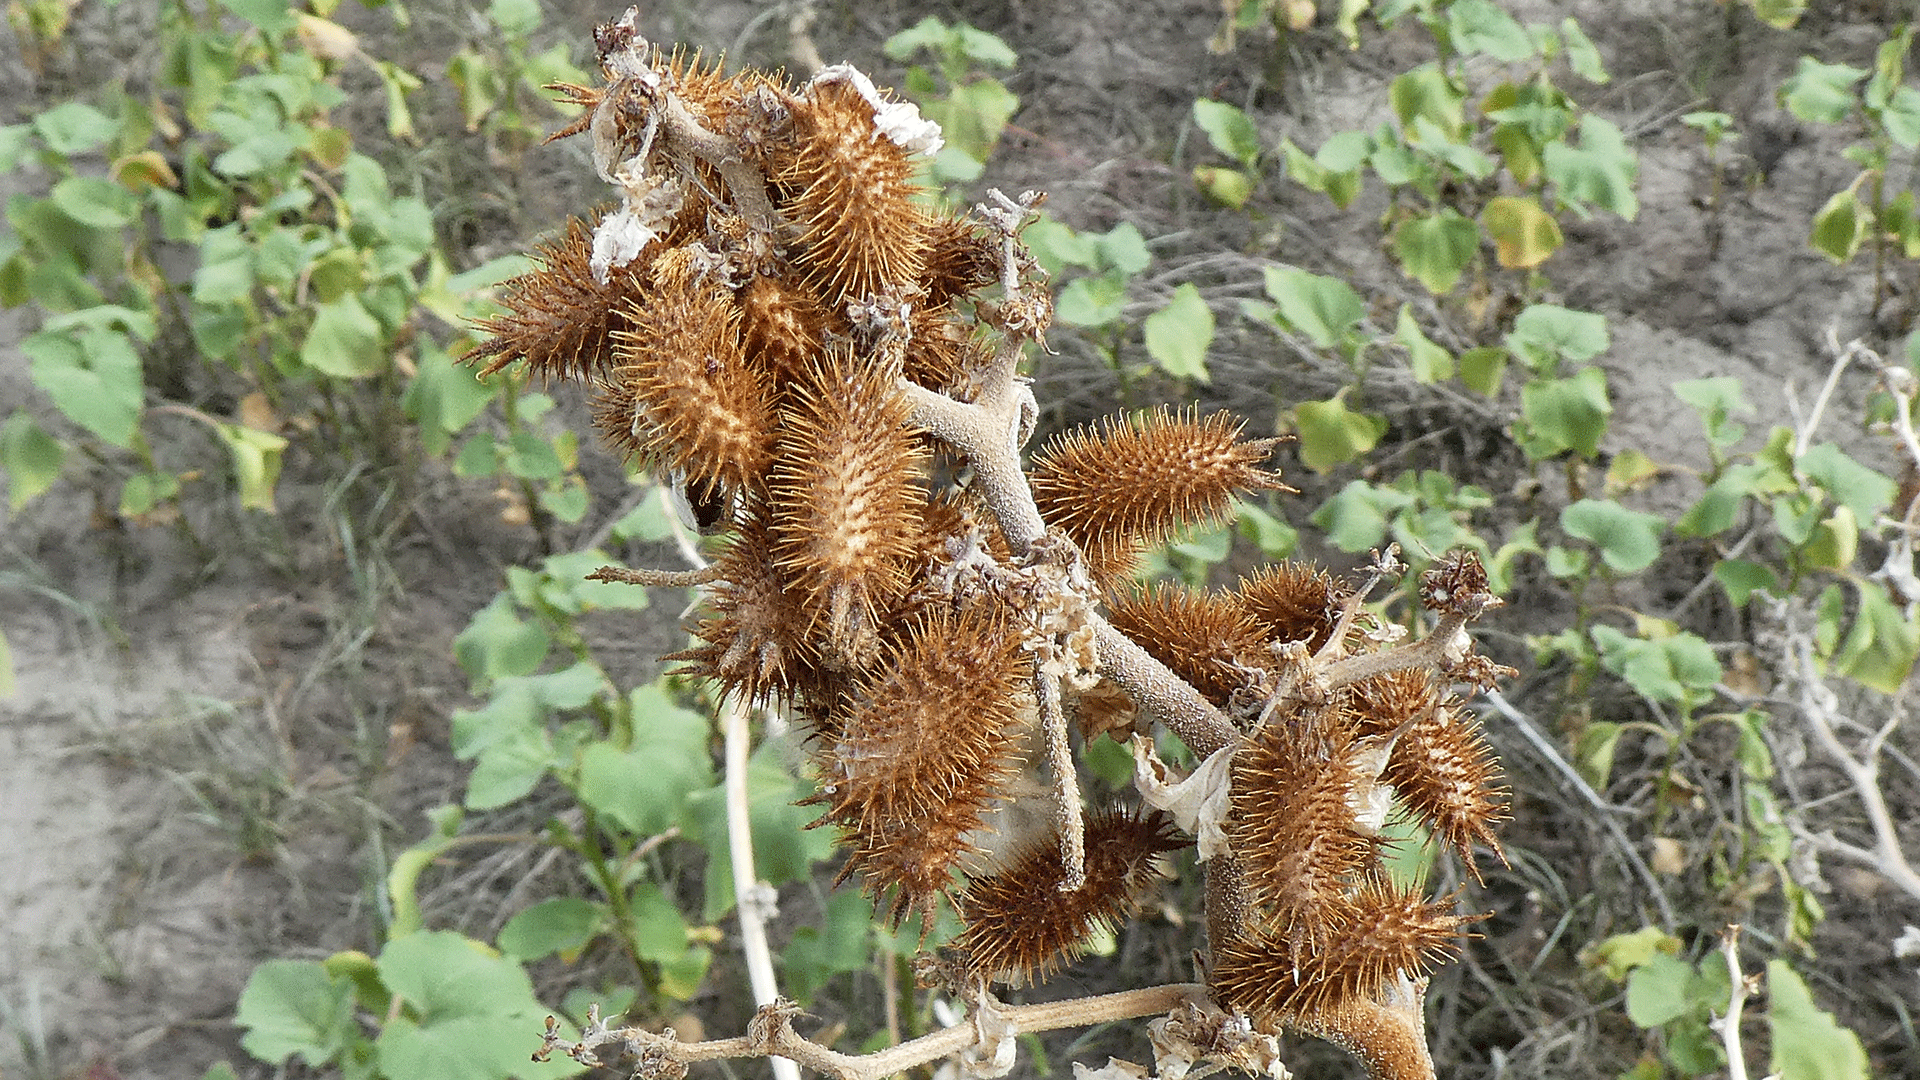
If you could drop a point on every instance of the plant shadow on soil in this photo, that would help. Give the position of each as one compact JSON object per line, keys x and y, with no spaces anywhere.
{"x":210,"y":755}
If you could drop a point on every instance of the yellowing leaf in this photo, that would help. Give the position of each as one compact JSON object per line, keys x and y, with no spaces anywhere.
{"x":1524,"y":235}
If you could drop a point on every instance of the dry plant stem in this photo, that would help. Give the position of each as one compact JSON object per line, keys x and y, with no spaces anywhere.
{"x":1435,"y":652}
{"x":753,"y":900}
{"x":1819,"y":707}
{"x":663,"y":579}
{"x":1066,"y":784}
{"x":1579,"y":783}
{"x":987,"y":432}
{"x":749,"y":188}
{"x":771,"y":1032}
{"x":1743,"y":985}
{"x":1151,"y":685}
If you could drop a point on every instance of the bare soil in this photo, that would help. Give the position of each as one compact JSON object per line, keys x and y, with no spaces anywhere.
{"x":214,"y":746}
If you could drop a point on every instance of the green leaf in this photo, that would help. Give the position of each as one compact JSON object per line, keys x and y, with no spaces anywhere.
{"x":1779,"y":14}
{"x":974,"y":114}
{"x":293,"y":1007}
{"x":1821,"y":93}
{"x":1177,"y":335}
{"x":444,"y":397}
{"x":1601,"y":171}
{"x":1477,"y":26}
{"x":1332,"y":434}
{"x":271,"y":16}
{"x":74,"y":128}
{"x":1275,"y":538}
{"x":1325,"y":309}
{"x":784,"y":849}
{"x":1882,"y":645}
{"x":1229,"y":129}
{"x":1621,"y":954}
{"x":1230,"y":188}
{"x":644,"y":788}
{"x":1839,"y":227}
{"x":344,"y":341}
{"x":93,"y":376}
{"x":1851,"y":484}
{"x":517,"y":17}
{"x":1629,"y":541}
{"x":1582,"y":57}
{"x":659,"y":930}
{"x":1124,"y":249}
{"x":560,"y":924}
{"x":1901,"y":117}
{"x":1657,"y":990}
{"x":982,"y":47}
{"x":403,"y":879}
{"x":1437,"y":248}
{"x":842,"y":941}
{"x":1429,"y":361}
{"x":1546,"y":334}
{"x":1561,"y":415}
{"x":1356,"y":518}
{"x":497,"y":643}
{"x":1426,"y":92}
{"x":1679,"y":668}
{"x":1594,"y":751}
{"x":31,"y":457}
{"x":1524,"y":235}
{"x":256,"y":462}
{"x":467,"y":1012}
{"x":95,"y":202}
{"x":1481,"y":369}
{"x":1718,"y":401}
{"x":1808,"y":1044}
{"x":1092,"y":301}
{"x":1741,"y":578}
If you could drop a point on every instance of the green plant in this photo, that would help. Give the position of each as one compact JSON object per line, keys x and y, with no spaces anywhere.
{"x":1886,"y":111}
{"x":972,"y":109}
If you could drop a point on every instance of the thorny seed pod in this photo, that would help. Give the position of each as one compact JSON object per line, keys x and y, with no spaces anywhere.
{"x":1136,"y":480}
{"x":1441,"y":765}
{"x":1382,"y":933}
{"x":1298,"y":787}
{"x":932,"y":724}
{"x":682,"y":394}
{"x":559,"y":318}
{"x":846,"y":499}
{"x":1021,"y":926}
{"x":849,"y":192}
{"x":1293,"y":601}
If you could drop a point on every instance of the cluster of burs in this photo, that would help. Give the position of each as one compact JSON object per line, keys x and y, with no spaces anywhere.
{"x":773,"y":314}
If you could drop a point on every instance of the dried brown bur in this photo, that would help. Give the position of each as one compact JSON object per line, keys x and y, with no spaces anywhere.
{"x":1021,"y":926}
{"x":1123,"y":485}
